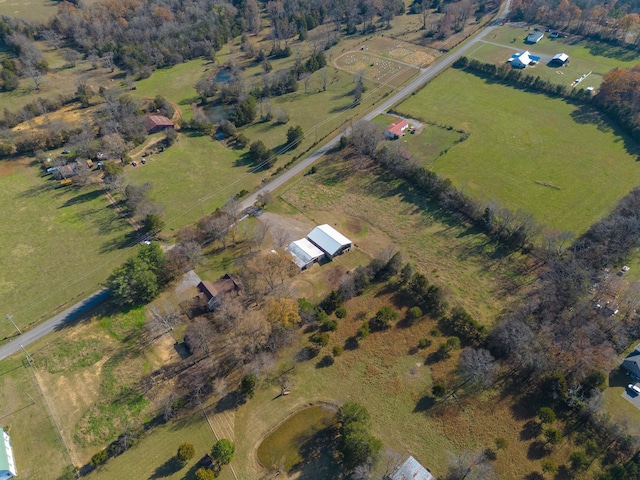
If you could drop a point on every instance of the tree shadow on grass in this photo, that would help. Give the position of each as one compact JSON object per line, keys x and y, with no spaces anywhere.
{"x":325,"y":361}
{"x":229,"y":402}
{"x":424,"y":404}
{"x":618,"y":378}
{"x":318,"y":463}
{"x":82,"y":198}
{"x":611,"y":51}
{"x":39,"y":189}
{"x":124,"y":241}
{"x":351,"y":343}
{"x":589,"y":115}
{"x":537,"y":450}
{"x":306,"y":353}
{"x":167,"y":469}
{"x":530,"y":430}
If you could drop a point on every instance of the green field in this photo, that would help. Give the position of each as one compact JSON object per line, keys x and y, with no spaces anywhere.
{"x":565,"y":164}
{"x":194,"y":177}
{"x":56,"y":244}
{"x":25,"y":415}
{"x":31,"y":9}
{"x":584,"y":56}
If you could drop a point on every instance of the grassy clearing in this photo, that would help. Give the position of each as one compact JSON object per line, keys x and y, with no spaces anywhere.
{"x":37,"y":10}
{"x":59,"y":242}
{"x":584,"y":56}
{"x":25,"y":415}
{"x":194,"y":177}
{"x":456,"y":257}
{"x":530,"y":138}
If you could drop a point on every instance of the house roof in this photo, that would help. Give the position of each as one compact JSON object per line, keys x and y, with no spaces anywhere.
{"x":7,"y":462}
{"x":521,"y":58}
{"x":534,"y":36}
{"x":304,"y":252}
{"x":157,"y":121}
{"x":328,"y":239}
{"x":412,"y":470}
{"x":561,"y":57}
{"x":227,"y":284}
{"x":398,"y":127}
{"x":632,"y":361}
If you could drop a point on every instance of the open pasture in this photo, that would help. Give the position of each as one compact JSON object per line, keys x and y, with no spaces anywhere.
{"x":34,"y":10}
{"x":565,"y":164}
{"x":584,"y":56}
{"x":57,"y":243}
{"x":376,"y":68}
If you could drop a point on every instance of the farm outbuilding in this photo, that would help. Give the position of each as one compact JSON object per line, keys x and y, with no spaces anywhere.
{"x":304,"y":253}
{"x":396,"y":130}
{"x":329,"y":240}
{"x":7,"y":462}
{"x":631,"y":363}
{"x":214,"y":293}
{"x":157,"y":123}
{"x":559,"y":59}
{"x":411,"y":469}
{"x":534,"y":37}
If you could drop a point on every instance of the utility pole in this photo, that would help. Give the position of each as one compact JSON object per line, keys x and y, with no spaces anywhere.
{"x":29,"y":359}
{"x":10,"y":318}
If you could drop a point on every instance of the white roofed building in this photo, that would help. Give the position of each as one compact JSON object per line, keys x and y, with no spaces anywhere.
{"x":521,"y":60}
{"x":412,"y":470}
{"x":329,"y":240}
{"x":559,"y":59}
{"x":304,"y":253}
{"x":7,"y":462}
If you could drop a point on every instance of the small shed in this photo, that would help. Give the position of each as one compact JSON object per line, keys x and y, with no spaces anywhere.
{"x":534,"y":37}
{"x":631,"y":363}
{"x":7,"y":462}
{"x":304,"y":253}
{"x":157,"y":123}
{"x":215,"y":292}
{"x":411,"y":470}
{"x":396,"y":129}
{"x":559,"y":59}
{"x":329,"y":240}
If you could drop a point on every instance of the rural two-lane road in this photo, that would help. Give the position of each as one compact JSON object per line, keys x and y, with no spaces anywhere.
{"x":425,"y":75}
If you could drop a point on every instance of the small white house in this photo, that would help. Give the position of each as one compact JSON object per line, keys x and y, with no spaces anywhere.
{"x":7,"y":463}
{"x":521,"y":60}
{"x":304,"y":253}
{"x":329,"y":240}
{"x":559,"y":59}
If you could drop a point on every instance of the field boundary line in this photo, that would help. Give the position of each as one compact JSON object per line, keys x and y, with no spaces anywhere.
{"x":204,"y":412}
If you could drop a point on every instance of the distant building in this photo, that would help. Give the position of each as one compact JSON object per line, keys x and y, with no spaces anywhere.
{"x":157,"y":123}
{"x":534,"y":37}
{"x":396,"y":130}
{"x":631,"y":363}
{"x":521,"y":60}
{"x":559,"y":59}
{"x":7,"y":463}
{"x":214,"y":293}
{"x":329,"y":240}
{"x":411,"y":470}
{"x":304,"y":253}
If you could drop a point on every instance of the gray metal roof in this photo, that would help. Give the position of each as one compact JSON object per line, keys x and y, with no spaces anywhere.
{"x":412,"y":470}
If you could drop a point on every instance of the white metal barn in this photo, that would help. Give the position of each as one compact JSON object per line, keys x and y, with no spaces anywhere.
{"x":304,"y":253}
{"x":329,"y":240}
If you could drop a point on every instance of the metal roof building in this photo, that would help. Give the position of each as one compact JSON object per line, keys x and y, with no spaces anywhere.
{"x":329,"y":240}
{"x":412,"y":470}
{"x":534,"y":37}
{"x":7,"y":463}
{"x":304,"y":253}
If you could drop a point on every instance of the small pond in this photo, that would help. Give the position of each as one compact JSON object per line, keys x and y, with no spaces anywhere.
{"x":223,"y":76}
{"x":216,"y":113}
{"x":302,"y":438}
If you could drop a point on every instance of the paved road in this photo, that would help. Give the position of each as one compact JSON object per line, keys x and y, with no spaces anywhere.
{"x":425,"y":75}
{"x":54,"y":323}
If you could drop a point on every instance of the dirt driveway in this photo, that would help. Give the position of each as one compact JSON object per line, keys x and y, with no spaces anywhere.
{"x":292,"y":227}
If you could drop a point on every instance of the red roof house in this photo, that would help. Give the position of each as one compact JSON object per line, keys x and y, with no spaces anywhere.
{"x":396,"y":130}
{"x":215,"y":292}
{"x":157,"y":123}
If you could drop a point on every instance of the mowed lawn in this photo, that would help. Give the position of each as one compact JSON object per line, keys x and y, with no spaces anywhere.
{"x":37,"y":446}
{"x":519,"y":138}
{"x":56,"y":244}
{"x":584,"y":56}
{"x":39,"y":10}
{"x":193,"y":177}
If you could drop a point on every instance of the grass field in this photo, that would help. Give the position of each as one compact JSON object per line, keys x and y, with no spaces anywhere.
{"x":31,"y":9}
{"x":25,"y":415}
{"x":530,"y":138}
{"x":584,"y":56}
{"x":194,"y":177}
{"x":58,"y":242}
